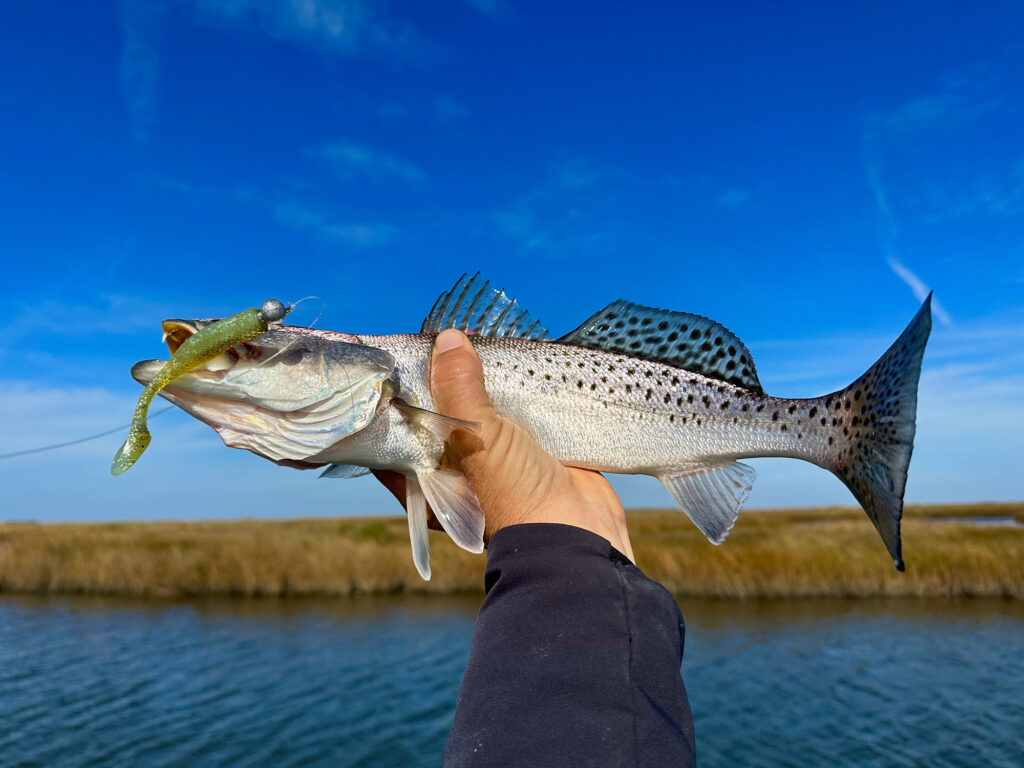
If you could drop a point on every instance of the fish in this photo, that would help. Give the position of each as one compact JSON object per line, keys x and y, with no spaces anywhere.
{"x":632,"y":390}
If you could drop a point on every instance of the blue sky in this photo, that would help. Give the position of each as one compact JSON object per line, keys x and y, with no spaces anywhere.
{"x":801,"y":172}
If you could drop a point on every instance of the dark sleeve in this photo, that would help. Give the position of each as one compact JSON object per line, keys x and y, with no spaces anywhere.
{"x":575,"y":660}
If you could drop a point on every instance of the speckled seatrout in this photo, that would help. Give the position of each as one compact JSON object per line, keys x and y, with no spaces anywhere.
{"x":632,"y":390}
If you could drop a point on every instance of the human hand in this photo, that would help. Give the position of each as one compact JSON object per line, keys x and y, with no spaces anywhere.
{"x":516,"y":481}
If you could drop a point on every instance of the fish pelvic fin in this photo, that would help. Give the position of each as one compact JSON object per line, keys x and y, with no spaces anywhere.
{"x":416,"y":509}
{"x":455,"y":506}
{"x":879,"y":411}
{"x":712,"y":498}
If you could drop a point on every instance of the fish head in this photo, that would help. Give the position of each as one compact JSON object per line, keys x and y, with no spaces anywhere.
{"x":286,"y":396}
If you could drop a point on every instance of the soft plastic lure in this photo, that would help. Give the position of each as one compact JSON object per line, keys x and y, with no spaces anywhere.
{"x":199,"y":348}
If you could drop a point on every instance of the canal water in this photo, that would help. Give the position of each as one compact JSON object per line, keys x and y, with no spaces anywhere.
{"x":372,"y":682}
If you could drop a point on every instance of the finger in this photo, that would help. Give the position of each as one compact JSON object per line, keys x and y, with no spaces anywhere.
{"x":457,"y":379}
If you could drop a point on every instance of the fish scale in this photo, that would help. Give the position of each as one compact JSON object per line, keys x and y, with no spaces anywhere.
{"x":633,"y":390}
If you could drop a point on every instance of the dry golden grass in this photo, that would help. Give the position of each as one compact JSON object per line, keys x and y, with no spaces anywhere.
{"x":770,"y":554}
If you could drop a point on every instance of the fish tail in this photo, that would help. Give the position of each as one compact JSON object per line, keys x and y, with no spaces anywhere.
{"x":877,"y":415}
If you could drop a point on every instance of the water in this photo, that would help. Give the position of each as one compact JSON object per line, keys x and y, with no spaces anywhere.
{"x":372,"y":682}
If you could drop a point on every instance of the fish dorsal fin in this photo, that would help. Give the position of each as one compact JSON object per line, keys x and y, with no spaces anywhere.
{"x":712,"y":497}
{"x":473,"y":306}
{"x":679,"y":339}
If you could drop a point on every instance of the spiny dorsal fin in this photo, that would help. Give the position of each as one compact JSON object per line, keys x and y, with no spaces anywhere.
{"x":679,"y":339}
{"x":473,"y":306}
{"x":712,"y":497}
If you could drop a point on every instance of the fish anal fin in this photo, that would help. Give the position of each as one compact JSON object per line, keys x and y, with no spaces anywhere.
{"x":712,"y":497}
{"x":455,"y":506}
{"x":435,"y":423}
{"x":473,"y":306}
{"x":680,"y":339}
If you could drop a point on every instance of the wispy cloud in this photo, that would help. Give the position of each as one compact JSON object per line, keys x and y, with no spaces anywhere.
{"x":733,"y":198}
{"x":448,"y":111}
{"x":570,"y":208}
{"x":139,"y":67}
{"x":356,"y":234}
{"x":913,"y":154}
{"x":488,"y":7}
{"x":345,"y":26}
{"x":110,"y":314}
{"x":919,"y":289}
{"x":349,"y":160}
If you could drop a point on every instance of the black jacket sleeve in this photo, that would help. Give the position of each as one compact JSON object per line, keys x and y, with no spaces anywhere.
{"x":575,"y":660}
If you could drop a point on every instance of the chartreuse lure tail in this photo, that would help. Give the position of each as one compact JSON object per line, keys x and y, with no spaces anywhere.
{"x":199,"y":348}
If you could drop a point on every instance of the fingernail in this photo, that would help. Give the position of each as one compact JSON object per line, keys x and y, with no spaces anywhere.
{"x":447,"y":340}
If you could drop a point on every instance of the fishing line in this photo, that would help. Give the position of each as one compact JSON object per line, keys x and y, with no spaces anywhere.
{"x":229,"y":378}
{"x":55,"y":446}
{"x":78,"y":441}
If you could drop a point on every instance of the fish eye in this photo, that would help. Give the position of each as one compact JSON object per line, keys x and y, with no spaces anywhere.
{"x":294,"y":355}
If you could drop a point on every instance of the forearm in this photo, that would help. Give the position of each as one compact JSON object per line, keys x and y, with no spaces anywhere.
{"x":575,"y":659}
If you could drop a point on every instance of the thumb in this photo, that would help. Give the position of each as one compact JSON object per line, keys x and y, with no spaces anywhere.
{"x":457,"y":379}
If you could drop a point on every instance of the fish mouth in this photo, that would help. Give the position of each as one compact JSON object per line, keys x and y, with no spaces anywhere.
{"x":175,"y":333}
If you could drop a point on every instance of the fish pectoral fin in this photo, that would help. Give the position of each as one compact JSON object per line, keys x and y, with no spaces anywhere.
{"x":437,"y":424}
{"x":712,"y":497}
{"x":416,"y":509}
{"x":344,"y":471}
{"x":455,"y":506}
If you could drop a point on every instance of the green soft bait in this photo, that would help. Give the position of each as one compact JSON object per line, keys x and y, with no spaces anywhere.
{"x":197,"y":349}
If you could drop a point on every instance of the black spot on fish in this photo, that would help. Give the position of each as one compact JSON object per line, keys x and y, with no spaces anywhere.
{"x":689,"y":398}
{"x":629,"y":388}
{"x":791,"y":409}
{"x":579,"y":384}
{"x":530,"y":371}
{"x":649,"y":395}
{"x":732,"y":350}
{"x":672,"y":417}
{"x":679,"y":401}
{"x":663,"y":326}
{"x":675,"y":381}
{"x":760,"y":407}
{"x":730,"y":365}
{"x":830,"y":440}
{"x":695,"y":335}
{"x":725,"y":405}
{"x":775,"y":416}
{"x":784,"y":428}
{"x":814,"y":412}
{"x":672,"y":336}
{"x":746,"y":407}
{"x":707,"y":401}
{"x":593,"y":387}
{"x":668,"y":398}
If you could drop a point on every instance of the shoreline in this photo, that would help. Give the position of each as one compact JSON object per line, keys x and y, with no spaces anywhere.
{"x":951,"y":550}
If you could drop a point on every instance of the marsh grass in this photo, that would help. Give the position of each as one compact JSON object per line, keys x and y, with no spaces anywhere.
{"x":769,"y":554}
